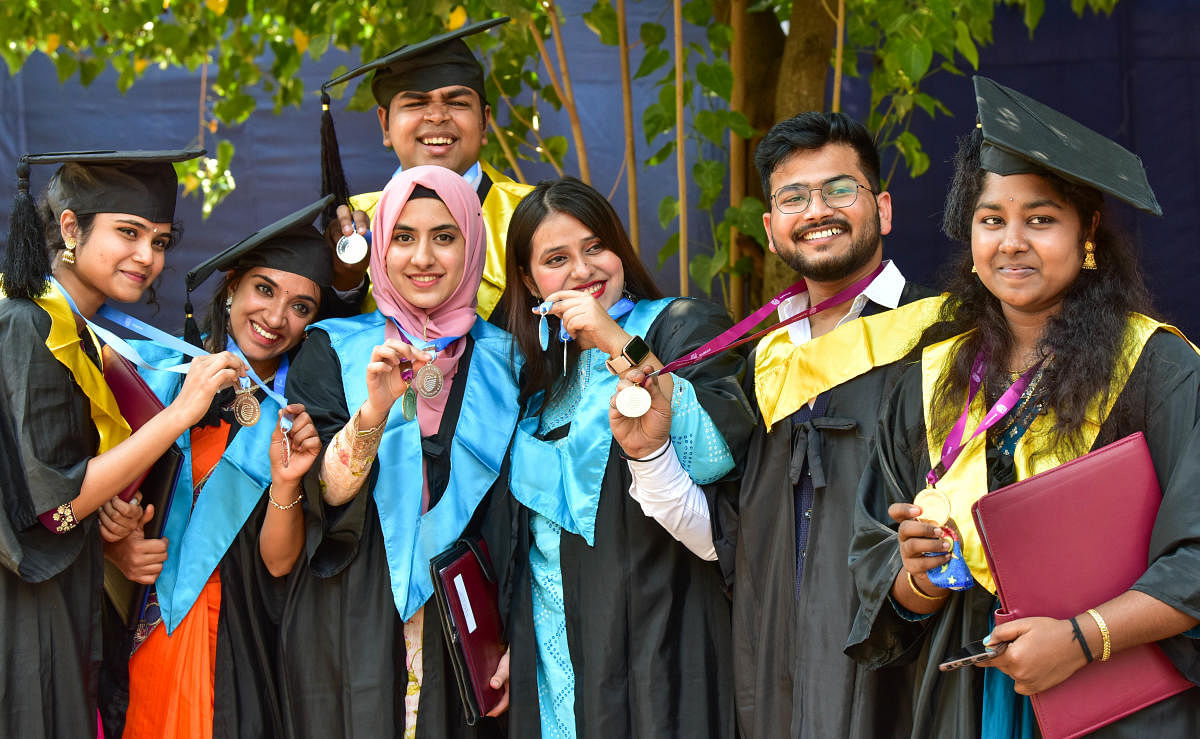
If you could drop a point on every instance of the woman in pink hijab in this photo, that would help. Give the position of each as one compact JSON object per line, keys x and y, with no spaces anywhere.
{"x":415,"y":404}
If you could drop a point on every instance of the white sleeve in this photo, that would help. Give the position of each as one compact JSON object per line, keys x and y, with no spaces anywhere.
{"x":669,"y":495}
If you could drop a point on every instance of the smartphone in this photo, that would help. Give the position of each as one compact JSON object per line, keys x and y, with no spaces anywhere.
{"x":972,"y":653}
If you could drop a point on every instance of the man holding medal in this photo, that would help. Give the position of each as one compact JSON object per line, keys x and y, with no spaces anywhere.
{"x":433,"y":109}
{"x":781,"y":532}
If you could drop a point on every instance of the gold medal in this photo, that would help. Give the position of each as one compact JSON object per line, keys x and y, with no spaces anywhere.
{"x":246,"y":409}
{"x":633,"y":402}
{"x":428,"y":381}
{"x":935,"y":506}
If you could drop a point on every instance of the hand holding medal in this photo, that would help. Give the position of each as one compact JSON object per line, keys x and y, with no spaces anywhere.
{"x":391,"y":376}
{"x":641,"y":429}
{"x":293,"y":451}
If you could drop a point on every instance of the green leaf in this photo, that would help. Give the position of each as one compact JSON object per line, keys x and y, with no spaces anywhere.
{"x":910,"y":146}
{"x":709,"y":174}
{"x":720,"y":37}
{"x":668,"y":210}
{"x":698,"y":12}
{"x":717,"y":78}
{"x":602,"y":19}
{"x":915,"y":58}
{"x":743,"y":267}
{"x":65,"y":64}
{"x":652,"y":34}
{"x":711,"y":126}
{"x":653,"y":59}
{"x":555,"y":149}
{"x":661,"y":155}
{"x":234,"y":109}
{"x":1033,"y":14}
{"x":699,"y":269}
{"x":748,"y":219}
{"x":965,"y":45}
{"x":668,"y":250}
{"x":657,"y":120}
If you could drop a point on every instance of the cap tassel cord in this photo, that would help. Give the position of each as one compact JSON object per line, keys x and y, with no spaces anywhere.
{"x":26,"y":263}
{"x":333,"y":177}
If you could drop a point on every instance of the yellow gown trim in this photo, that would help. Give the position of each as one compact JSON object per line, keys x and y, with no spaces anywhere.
{"x":498,"y":208}
{"x":966,"y":480}
{"x":786,"y":376}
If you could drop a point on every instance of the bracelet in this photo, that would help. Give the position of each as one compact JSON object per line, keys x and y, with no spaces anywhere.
{"x":921,"y":593}
{"x":628,"y":458}
{"x":289,"y":506}
{"x":1107,"y":651}
{"x":1087,"y":651}
{"x":64,"y":517}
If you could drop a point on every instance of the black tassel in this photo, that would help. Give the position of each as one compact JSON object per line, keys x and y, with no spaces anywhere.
{"x":333,"y":177}
{"x":26,"y":263}
{"x":191,"y":330}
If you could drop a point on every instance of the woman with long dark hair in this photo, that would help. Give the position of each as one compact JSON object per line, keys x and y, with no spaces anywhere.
{"x":1047,"y":306}
{"x":616,"y":628}
{"x":106,"y":224}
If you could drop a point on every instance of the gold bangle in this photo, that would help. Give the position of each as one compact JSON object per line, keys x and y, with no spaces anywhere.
{"x":1106,"y":652}
{"x":64,"y":516}
{"x":289,"y":506}
{"x":920,"y":593}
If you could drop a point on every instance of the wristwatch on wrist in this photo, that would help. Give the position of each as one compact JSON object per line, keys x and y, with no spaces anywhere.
{"x":634,"y":353}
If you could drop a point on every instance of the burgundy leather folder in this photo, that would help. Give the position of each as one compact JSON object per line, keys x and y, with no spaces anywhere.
{"x":1067,"y":540}
{"x":138,"y":405}
{"x":464,"y":586}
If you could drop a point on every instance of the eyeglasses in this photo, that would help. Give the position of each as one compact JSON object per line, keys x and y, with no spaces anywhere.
{"x":839,"y":193}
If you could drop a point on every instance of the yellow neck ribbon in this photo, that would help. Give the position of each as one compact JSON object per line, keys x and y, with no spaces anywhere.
{"x":787,"y":376}
{"x":966,"y":481}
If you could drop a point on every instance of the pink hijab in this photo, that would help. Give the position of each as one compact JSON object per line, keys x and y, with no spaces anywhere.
{"x":456,"y":315}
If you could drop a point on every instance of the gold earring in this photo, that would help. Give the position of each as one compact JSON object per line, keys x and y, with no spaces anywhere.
{"x":1089,"y":259}
{"x":973,"y":270}
{"x":68,"y":255}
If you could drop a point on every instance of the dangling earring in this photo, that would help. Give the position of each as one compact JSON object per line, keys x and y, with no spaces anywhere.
{"x":973,"y":270}
{"x":1089,"y":259}
{"x":228,"y":302}
{"x":68,"y":255}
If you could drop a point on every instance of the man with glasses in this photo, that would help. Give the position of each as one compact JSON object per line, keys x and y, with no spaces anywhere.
{"x":781,"y":532}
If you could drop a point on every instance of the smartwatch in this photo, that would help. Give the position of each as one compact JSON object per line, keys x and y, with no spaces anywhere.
{"x":634,"y":353}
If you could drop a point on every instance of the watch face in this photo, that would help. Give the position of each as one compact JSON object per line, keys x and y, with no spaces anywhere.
{"x":636,"y":350}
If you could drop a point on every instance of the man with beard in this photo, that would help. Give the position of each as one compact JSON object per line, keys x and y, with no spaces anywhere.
{"x":432,"y":109}
{"x":781,"y":532}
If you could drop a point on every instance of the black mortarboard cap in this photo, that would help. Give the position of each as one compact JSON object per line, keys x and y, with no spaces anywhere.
{"x":140,"y":183}
{"x":1021,"y":135}
{"x":291,"y":244}
{"x":436,"y":62}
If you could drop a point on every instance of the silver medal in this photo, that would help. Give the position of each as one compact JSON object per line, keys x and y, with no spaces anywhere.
{"x":428,"y":381}
{"x":287,"y":449}
{"x":633,"y":402}
{"x":351,"y":249}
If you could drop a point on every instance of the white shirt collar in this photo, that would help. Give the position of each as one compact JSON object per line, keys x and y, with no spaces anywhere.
{"x":473,"y":176}
{"x":884,"y":290}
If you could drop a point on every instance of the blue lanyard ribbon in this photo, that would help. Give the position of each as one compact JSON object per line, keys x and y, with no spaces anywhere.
{"x":616,"y":312}
{"x":275,"y":392}
{"x":436,"y":345}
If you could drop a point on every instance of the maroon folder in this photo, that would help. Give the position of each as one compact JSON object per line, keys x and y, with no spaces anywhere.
{"x":464,"y":586}
{"x":1067,"y":540}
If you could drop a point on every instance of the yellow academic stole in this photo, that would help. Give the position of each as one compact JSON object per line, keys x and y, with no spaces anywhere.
{"x":966,"y":480}
{"x":787,"y":376}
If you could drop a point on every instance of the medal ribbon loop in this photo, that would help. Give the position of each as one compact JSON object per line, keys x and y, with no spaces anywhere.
{"x":616,"y":312}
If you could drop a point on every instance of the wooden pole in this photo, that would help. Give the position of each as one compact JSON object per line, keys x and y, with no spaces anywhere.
{"x":737,"y":147}
{"x":508,"y":152}
{"x":837,"y":57}
{"x":680,"y":158}
{"x":630,"y":152}
{"x":564,"y":90}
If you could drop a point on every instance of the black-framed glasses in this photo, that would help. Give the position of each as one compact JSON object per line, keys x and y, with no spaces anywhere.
{"x":837,"y":193}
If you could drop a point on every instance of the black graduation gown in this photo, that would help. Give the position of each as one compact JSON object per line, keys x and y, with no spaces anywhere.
{"x":51,"y":585}
{"x":343,"y":671}
{"x":1162,"y":398}
{"x":647,"y":620}
{"x":791,"y":676}
{"x":245,"y":696}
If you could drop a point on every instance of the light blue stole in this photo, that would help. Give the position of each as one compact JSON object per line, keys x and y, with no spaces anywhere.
{"x":482,"y":433}
{"x":563,"y":484}
{"x":198,"y":537}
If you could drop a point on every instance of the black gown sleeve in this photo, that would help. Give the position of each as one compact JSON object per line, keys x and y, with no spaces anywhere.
{"x":333,"y":532}
{"x":879,"y":635}
{"x":48,"y":438}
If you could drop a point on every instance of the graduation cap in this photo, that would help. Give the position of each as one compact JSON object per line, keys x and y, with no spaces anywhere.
{"x":140,"y":183}
{"x":1022,"y":136}
{"x":436,"y":62}
{"x":291,"y":244}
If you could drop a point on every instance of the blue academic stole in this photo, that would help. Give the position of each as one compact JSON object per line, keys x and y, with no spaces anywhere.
{"x":563,"y":483}
{"x":484,"y":427}
{"x":198,"y":537}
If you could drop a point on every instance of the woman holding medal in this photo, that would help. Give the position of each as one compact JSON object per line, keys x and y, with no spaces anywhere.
{"x":616,"y":628}
{"x":1046,"y":326}
{"x":204,"y":647}
{"x":415,"y":405}
{"x":105,"y":225}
